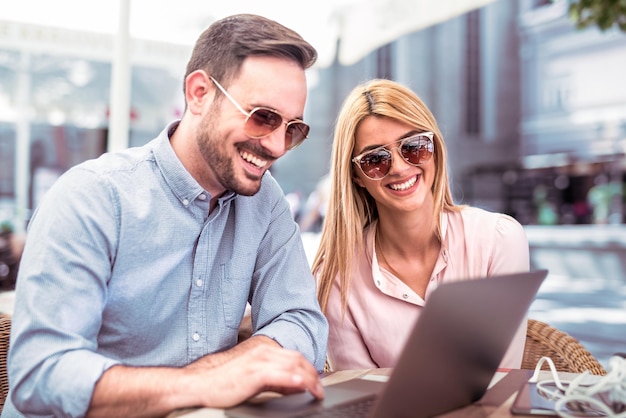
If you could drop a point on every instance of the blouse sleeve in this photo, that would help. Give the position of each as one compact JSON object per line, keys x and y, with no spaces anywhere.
{"x":510,"y":255}
{"x":510,"y":249}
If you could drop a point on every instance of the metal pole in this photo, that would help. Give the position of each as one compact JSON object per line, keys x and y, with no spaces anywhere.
{"x":22,"y":143}
{"x":119,"y":109}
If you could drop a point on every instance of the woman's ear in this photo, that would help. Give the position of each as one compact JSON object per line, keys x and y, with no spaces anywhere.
{"x":358,"y":180}
{"x":199,"y":90}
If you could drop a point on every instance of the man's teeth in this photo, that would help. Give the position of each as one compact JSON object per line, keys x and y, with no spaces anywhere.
{"x":253,"y":160}
{"x":405,"y":185}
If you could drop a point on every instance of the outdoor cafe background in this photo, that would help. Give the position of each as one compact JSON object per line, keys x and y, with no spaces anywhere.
{"x":533,"y":110}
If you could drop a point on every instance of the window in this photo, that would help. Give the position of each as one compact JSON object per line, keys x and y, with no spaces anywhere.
{"x":384,"y":62}
{"x":472,"y":74}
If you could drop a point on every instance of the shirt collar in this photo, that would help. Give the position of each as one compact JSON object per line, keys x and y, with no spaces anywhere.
{"x":184,"y":186}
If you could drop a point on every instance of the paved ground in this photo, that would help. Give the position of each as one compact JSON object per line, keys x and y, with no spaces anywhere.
{"x":592,"y":310}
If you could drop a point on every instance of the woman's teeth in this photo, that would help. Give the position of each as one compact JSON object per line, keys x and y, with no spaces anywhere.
{"x":403,"y":186}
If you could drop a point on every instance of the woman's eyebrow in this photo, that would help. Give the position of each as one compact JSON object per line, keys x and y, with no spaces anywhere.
{"x":374,"y":146}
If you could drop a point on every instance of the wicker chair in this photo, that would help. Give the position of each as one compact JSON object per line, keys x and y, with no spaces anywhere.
{"x":567,"y":353}
{"x":5,"y":331}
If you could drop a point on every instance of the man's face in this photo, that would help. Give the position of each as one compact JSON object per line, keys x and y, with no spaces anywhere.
{"x":236,"y":161}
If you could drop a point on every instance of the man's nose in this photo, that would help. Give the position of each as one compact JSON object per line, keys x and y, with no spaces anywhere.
{"x":275,"y":142}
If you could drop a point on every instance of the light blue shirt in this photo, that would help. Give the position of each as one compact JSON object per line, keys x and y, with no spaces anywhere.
{"x":124,"y":264}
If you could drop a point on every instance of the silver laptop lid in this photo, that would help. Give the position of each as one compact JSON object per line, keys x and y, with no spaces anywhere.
{"x":457,"y":344}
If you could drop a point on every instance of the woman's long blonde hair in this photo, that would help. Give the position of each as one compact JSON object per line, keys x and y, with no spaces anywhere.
{"x":350,"y":207}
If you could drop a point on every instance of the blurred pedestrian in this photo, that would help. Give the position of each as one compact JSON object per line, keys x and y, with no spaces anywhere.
{"x":600,"y":198}
{"x":316,"y":206}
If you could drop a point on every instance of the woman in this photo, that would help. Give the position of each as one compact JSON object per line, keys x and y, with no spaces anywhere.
{"x":392,"y":232}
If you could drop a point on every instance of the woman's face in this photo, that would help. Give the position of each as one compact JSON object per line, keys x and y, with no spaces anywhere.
{"x":406,"y":187}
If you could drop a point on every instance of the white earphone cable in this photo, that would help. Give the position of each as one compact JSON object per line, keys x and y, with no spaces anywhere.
{"x":606,"y":397}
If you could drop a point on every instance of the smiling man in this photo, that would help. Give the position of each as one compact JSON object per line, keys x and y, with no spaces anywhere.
{"x":139,"y":265}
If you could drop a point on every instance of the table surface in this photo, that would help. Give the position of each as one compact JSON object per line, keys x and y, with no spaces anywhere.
{"x":472,"y":411}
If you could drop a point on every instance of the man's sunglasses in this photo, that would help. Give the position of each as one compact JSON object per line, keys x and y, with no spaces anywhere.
{"x":415,"y":150}
{"x":262,"y":121}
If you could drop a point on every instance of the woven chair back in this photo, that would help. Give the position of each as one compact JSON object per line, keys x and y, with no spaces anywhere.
{"x":567,"y":353}
{"x":5,"y":332}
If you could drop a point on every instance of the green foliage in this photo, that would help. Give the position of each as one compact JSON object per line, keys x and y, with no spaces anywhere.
{"x":602,"y":13}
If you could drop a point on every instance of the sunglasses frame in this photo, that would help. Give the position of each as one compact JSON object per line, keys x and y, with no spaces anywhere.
{"x":248,"y":115}
{"x":430,"y":145}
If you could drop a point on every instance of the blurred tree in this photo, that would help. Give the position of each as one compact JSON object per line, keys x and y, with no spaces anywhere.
{"x":603,"y":13}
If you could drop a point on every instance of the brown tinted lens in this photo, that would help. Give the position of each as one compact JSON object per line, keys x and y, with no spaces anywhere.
{"x":376,"y":164}
{"x":296,"y":133}
{"x":417,"y":150}
{"x":262,"y":122}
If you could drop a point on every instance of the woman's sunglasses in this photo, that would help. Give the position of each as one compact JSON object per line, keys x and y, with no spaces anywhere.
{"x":415,"y":150}
{"x":262,"y":121}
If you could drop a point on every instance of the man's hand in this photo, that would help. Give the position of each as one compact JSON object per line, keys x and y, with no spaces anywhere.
{"x":218,"y":380}
{"x":256,"y":367}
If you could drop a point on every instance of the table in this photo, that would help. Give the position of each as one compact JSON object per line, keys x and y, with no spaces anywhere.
{"x":477,"y":410}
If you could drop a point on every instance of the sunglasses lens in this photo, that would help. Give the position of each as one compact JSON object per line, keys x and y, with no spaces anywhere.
{"x":376,"y":164}
{"x":262,"y":122}
{"x":417,"y":150}
{"x":296,"y":133}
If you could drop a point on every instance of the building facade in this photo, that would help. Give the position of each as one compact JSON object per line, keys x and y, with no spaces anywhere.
{"x":573,"y":114}
{"x":532,"y":110}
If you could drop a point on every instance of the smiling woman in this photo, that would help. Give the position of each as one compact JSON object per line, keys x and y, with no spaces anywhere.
{"x":392,"y":232}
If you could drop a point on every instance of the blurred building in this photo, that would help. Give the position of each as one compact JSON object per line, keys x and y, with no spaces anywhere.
{"x":467,"y":70}
{"x":573,"y":120}
{"x":54,"y":103}
{"x":533,"y":110}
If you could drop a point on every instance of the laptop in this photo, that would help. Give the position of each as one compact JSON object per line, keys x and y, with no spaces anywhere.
{"x":449,"y":359}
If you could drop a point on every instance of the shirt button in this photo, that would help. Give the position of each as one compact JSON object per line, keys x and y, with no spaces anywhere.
{"x":405,"y":295}
{"x":202,"y":197}
{"x":445,"y":255}
{"x":196,"y":337}
{"x":378,"y":283}
{"x":199,"y":282}
{"x":186,"y":202}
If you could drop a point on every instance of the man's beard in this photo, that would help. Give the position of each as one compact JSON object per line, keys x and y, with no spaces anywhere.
{"x":215,"y":152}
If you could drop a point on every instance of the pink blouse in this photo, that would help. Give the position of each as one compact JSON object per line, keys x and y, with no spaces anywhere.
{"x":381,"y":309}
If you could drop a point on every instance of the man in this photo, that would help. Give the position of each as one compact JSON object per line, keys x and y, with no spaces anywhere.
{"x":138,"y":265}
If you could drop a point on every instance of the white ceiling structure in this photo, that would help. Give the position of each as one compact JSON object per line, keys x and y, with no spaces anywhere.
{"x":361,"y":25}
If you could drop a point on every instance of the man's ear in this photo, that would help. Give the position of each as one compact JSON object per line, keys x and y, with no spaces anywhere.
{"x":199,"y":90}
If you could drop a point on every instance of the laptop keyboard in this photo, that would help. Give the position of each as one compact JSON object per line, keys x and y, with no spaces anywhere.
{"x":357,"y":409}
